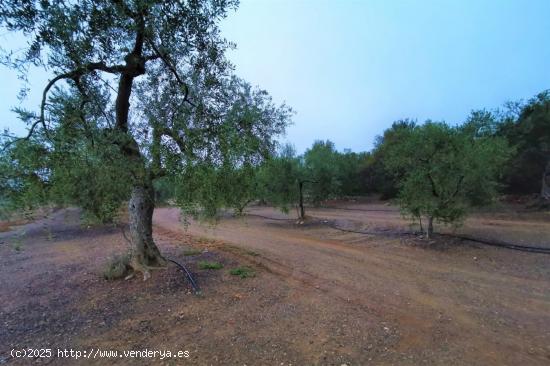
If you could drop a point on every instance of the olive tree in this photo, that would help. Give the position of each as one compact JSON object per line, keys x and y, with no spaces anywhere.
{"x":444,"y":170}
{"x":321,"y":166}
{"x":141,"y":90}
{"x":321,"y":173}
{"x":281,"y":181}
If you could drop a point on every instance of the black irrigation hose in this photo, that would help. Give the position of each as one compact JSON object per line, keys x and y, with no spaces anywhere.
{"x":531,"y":249}
{"x":270,"y":218}
{"x":500,"y":244}
{"x":358,"y":209}
{"x":376,"y":232}
{"x":349,"y":230}
{"x":522,"y":248}
{"x":188,"y":274}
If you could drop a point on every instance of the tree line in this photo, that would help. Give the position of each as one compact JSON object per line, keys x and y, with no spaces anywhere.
{"x":433,"y":170}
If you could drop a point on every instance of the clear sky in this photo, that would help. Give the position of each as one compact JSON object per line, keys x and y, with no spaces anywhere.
{"x":350,"y":68}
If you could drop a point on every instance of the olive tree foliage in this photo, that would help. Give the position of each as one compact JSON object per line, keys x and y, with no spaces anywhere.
{"x":350,"y":167}
{"x":321,"y":164}
{"x":16,"y":192}
{"x":70,"y":166}
{"x":218,"y":169}
{"x":332,"y":174}
{"x":141,"y":91}
{"x":445,"y":170}
{"x":278,"y":180}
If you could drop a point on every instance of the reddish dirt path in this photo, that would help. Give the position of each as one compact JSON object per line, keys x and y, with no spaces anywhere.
{"x":461,"y":304}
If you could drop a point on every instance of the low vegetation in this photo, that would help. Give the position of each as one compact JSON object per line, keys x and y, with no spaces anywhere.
{"x":17,"y":246}
{"x":243,"y":272}
{"x":210,"y":265}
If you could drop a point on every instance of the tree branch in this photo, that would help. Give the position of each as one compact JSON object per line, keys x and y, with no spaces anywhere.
{"x":434,"y":191}
{"x":458,"y":185}
{"x":74,"y":75}
{"x":174,"y":136}
{"x":121,"y":5}
{"x":9,"y":143}
{"x":173,"y":70}
{"x":151,"y":57}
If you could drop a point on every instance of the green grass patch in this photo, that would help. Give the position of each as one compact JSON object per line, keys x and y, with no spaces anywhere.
{"x":190,"y":252}
{"x":210,"y":265}
{"x":243,"y":272}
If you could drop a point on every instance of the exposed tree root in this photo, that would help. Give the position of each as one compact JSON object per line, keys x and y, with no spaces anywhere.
{"x":138,"y":266}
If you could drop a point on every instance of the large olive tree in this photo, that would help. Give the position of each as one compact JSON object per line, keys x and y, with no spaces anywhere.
{"x":443,"y":170}
{"x":141,"y":90}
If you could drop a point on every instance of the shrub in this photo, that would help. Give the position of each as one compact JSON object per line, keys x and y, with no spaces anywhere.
{"x":243,"y":272}
{"x":210,"y":265}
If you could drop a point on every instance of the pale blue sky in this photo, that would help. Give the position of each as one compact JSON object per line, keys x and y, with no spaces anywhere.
{"x":350,"y":68}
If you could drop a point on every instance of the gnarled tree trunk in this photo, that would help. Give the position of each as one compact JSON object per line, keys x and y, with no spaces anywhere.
{"x":302,"y":211}
{"x":545,"y":191}
{"x":430,"y":231}
{"x":145,"y":254}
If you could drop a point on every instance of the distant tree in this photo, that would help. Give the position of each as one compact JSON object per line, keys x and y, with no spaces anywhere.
{"x":375,"y":175}
{"x":526,"y":126}
{"x":281,"y":180}
{"x":482,"y":124}
{"x":164,"y":190}
{"x":190,"y":120}
{"x":350,"y":166}
{"x":440,"y":166}
{"x":321,"y":165}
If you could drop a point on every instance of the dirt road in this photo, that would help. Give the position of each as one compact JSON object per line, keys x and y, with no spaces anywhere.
{"x":458,"y":304}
